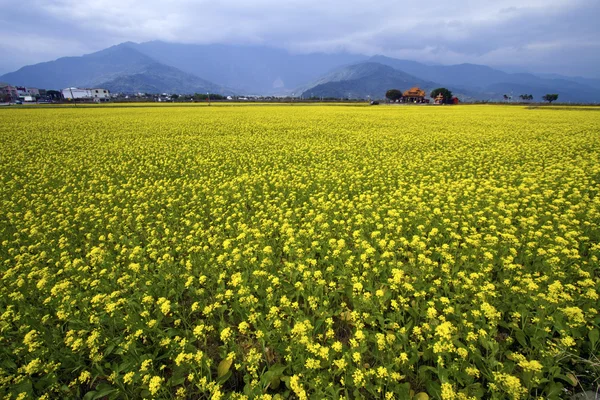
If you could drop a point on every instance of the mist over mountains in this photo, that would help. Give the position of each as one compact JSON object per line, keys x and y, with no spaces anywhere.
{"x":248,"y":69}
{"x":157,"y":67}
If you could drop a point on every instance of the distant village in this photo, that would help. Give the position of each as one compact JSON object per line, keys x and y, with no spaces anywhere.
{"x":22,"y":95}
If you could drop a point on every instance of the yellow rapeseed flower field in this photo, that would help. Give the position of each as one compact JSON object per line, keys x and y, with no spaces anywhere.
{"x":288,"y":251}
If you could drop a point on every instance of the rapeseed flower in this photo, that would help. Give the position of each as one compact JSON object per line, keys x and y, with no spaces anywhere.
{"x":289,"y":240}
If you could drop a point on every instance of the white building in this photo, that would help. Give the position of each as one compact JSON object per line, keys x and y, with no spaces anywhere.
{"x":27,"y":91}
{"x":100,"y":94}
{"x":22,"y":91}
{"x":76,"y":93}
{"x":95,"y":94}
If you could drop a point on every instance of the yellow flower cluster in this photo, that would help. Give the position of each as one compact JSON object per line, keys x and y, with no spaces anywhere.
{"x":297,"y":251}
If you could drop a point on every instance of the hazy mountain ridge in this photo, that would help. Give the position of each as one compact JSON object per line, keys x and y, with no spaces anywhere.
{"x":371,"y":79}
{"x":362,"y":80}
{"x":250,"y":69}
{"x":362,"y":70}
{"x":590,"y":82}
{"x":160,"y":78}
{"x":188,"y":68}
{"x":119,"y":68}
{"x":86,"y":70}
{"x":492,"y":84}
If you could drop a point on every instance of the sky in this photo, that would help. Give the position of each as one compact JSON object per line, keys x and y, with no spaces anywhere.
{"x":543,"y":36}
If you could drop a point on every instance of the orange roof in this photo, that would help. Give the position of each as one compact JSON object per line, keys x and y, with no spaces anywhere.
{"x":414,"y":92}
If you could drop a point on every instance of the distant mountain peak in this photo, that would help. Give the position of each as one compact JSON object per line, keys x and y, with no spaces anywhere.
{"x":363,"y":80}
{"x":258,"y":69}
{"x":117,"y":68}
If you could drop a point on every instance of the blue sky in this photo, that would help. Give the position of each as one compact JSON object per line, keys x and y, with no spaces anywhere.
{"x":560,"y":36}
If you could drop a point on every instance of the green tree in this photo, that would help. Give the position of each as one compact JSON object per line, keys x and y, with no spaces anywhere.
{"x":526,"y":96}
{"x":550,"y":97}
{"x":447,"y":94}
{"x":393,"y":94}
{"x":204,"y":96}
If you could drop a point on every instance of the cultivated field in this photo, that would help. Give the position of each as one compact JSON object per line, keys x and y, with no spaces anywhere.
{"x":299,"y":252}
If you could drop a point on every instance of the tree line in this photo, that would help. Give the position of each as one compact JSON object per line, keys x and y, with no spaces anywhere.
{"x":395,"y":94}
{"x":528,"y":97}
{"x":550,"y":97}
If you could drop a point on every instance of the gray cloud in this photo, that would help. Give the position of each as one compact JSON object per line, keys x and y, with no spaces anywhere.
{"x":541,"y":35}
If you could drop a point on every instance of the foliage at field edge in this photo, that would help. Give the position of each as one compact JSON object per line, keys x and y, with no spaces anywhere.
{"x":299,"y":252}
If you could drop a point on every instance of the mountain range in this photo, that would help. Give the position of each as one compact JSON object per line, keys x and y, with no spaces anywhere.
{"x":487,"y":82}
{"x":257,"y":70}
{"x":118,"y":68}
{"x":372,"y":80}
{"x":157,"y":67}
{"x":362,"y":80}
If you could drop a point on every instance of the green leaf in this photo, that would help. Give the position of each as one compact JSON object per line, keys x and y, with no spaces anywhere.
{"x":568,"y":378}
{"x":274,"y":383}
{"x":277,"y":369}
{"x":434,"y":388}
{"x":103,"y":386}
{"x":476,"y":390}
{"x":594,"y":335}
{"x":24,"y":387}
{"x":426,"y":372}
{"x":527,"y":376}
{"x":178,"y":381}
{"x":224,"y":378}
{"x":109,"y":350}
{"x":521,"y":338}
{"x":554,"y":390}
{"x":103,"y":393}
{"x":421,"y":396}
{"x":89,"y":395}
{"x":553,"y":371}
{"x":223,"y":367}
{"x":10,"y":364}
{"x":318,"y":324}
{"x":272,"y":378}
